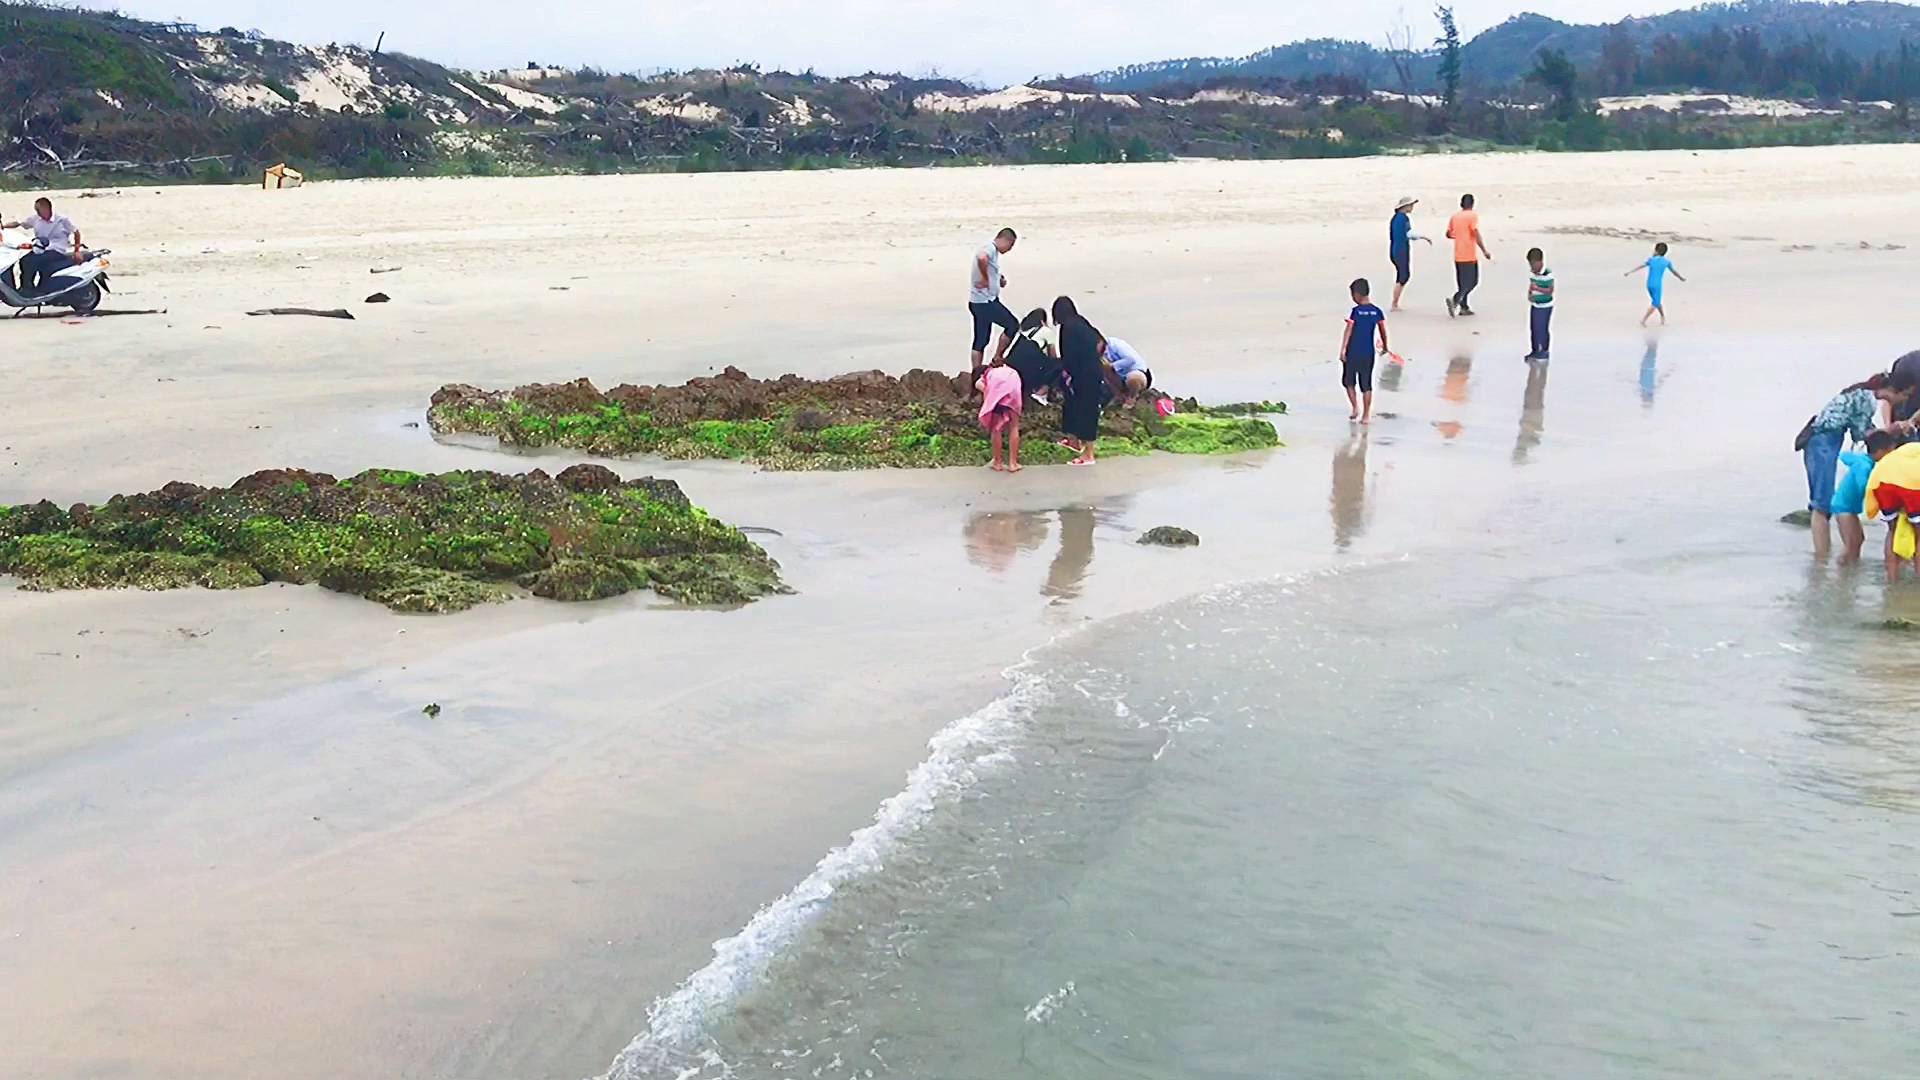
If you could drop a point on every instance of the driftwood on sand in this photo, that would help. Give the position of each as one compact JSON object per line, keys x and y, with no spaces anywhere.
{"x":332,"y":313}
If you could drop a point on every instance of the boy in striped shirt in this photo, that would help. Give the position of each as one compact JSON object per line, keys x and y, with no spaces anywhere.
{"x":1539,"y":304}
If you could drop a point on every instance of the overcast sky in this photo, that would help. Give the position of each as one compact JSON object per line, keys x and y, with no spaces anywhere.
{"x":993,"y":42}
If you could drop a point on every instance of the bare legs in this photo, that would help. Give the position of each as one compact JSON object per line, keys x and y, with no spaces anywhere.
{"x":1853,"y":537}
{"x":1011,"y":462}
{"x":1822,"y":536}
{"x":1360,"y":405}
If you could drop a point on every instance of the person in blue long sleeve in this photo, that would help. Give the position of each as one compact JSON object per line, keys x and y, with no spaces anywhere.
{"x":1400,"y":238}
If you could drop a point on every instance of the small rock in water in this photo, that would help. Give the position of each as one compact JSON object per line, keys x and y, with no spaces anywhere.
{"x":1170,"y":536}
{"x":432,"y":710}
{"x":1800,"y":518}
{"x":378,"y":298}
{"x":1899,"y":624}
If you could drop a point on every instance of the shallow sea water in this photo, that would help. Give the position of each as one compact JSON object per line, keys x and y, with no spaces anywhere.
{"x":1634,"y":792}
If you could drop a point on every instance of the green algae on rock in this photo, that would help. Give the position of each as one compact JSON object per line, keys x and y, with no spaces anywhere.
{"x":413,"y":542}
{"x":1170,"y":536}
{"x":923,"y":419}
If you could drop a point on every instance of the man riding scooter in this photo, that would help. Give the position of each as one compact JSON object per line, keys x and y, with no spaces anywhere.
{"x":55,"y":240}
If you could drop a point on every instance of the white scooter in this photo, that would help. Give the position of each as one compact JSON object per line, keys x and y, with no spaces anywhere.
{"x":79,"y":287}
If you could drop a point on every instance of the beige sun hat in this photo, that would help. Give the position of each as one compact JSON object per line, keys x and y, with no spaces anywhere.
{"x":1405,"y":201}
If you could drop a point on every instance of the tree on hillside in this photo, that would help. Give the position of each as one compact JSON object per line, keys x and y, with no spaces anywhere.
{"x":1449,"y":45}
{"x":1553,"y":72}
{"x":1903,"y":84}
{"x":1400,"y":52}
{"x":1619,"y":59}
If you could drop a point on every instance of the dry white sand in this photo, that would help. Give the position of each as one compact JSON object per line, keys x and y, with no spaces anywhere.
{"x":230,"y":846}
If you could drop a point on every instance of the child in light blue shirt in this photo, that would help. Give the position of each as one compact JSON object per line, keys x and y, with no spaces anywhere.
{"x":1850,"y":492}
{"x":1657,"y":269}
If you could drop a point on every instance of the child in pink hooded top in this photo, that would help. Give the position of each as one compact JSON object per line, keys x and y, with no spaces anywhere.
{"x":1001,"y":398}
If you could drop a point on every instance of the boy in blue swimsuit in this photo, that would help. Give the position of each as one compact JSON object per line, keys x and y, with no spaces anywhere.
{"x":1657,"y":269}
{"x":1357,"y":357}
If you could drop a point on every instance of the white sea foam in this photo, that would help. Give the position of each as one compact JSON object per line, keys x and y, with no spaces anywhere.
{"x":1044,"y":1009}
{"x":960,"y":754}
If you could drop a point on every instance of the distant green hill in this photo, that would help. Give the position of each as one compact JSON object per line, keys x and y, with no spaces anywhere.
{"x":89,"y":97}
{"x":1503,"y":54}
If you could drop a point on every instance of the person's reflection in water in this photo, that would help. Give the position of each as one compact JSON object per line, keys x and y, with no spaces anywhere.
{"x":996,"y":538}
{"x":1533,"y":412}
{"x":1650,"y":371}
{"x":1348,"y":500}
{"x":1069,"y":569}
{"x":1454,"y":387}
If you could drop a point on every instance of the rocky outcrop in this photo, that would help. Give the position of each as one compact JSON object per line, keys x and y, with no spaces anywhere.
{"x":427,"y":543}
{"x":1170,"y":536}
{"x":864,"y":419}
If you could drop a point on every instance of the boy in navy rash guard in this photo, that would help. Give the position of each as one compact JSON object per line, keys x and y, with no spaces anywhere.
{"x":1356,"y":350}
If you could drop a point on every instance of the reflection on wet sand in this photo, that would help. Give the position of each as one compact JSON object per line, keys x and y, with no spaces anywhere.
{"x":1533,"y":412}
{"x":1390,"y":376}
{"x":1650,"y":371}
{"x":1348,"y":500}
{"x":997,"y":537}
{"x":1454,"y":387}
{"x":1070,"y":564}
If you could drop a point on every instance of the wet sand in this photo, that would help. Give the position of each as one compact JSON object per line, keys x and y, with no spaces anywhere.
{"x":233,"y":845}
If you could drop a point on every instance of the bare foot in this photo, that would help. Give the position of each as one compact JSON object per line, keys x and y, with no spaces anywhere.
{"x":996,"y":466}
{"x":1354,"y":415}
{"x":1015,"y":467}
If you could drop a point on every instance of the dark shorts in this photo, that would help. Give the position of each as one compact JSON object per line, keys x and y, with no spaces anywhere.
{"x":1402,"y":267}
{"x":1357,"y":371}
{"x":988,"y":316}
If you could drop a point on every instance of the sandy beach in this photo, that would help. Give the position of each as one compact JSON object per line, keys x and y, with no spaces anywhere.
{"x":231,"y":845}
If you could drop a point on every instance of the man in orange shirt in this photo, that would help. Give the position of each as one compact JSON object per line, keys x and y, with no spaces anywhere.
{"x":1463,"y":229}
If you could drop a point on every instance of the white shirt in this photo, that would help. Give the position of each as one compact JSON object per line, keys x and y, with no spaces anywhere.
{"x":55,"y":233}
{"x":976,"y":294}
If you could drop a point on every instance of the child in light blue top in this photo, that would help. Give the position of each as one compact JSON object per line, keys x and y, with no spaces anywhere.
{"x":1850,"y":491}
{"x":1657,"y":268}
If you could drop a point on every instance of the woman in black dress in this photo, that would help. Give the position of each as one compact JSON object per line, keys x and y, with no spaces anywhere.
{"x":1080,"y":356}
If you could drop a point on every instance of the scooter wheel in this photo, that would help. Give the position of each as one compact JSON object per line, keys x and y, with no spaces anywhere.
{"x":86,"y":299}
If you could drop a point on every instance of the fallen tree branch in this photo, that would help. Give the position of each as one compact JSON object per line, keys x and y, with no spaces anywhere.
{"x":335,"y":313}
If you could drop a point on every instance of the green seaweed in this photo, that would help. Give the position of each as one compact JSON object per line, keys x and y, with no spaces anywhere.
{"x":860,"y":421}
{"x":417,"y":543}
